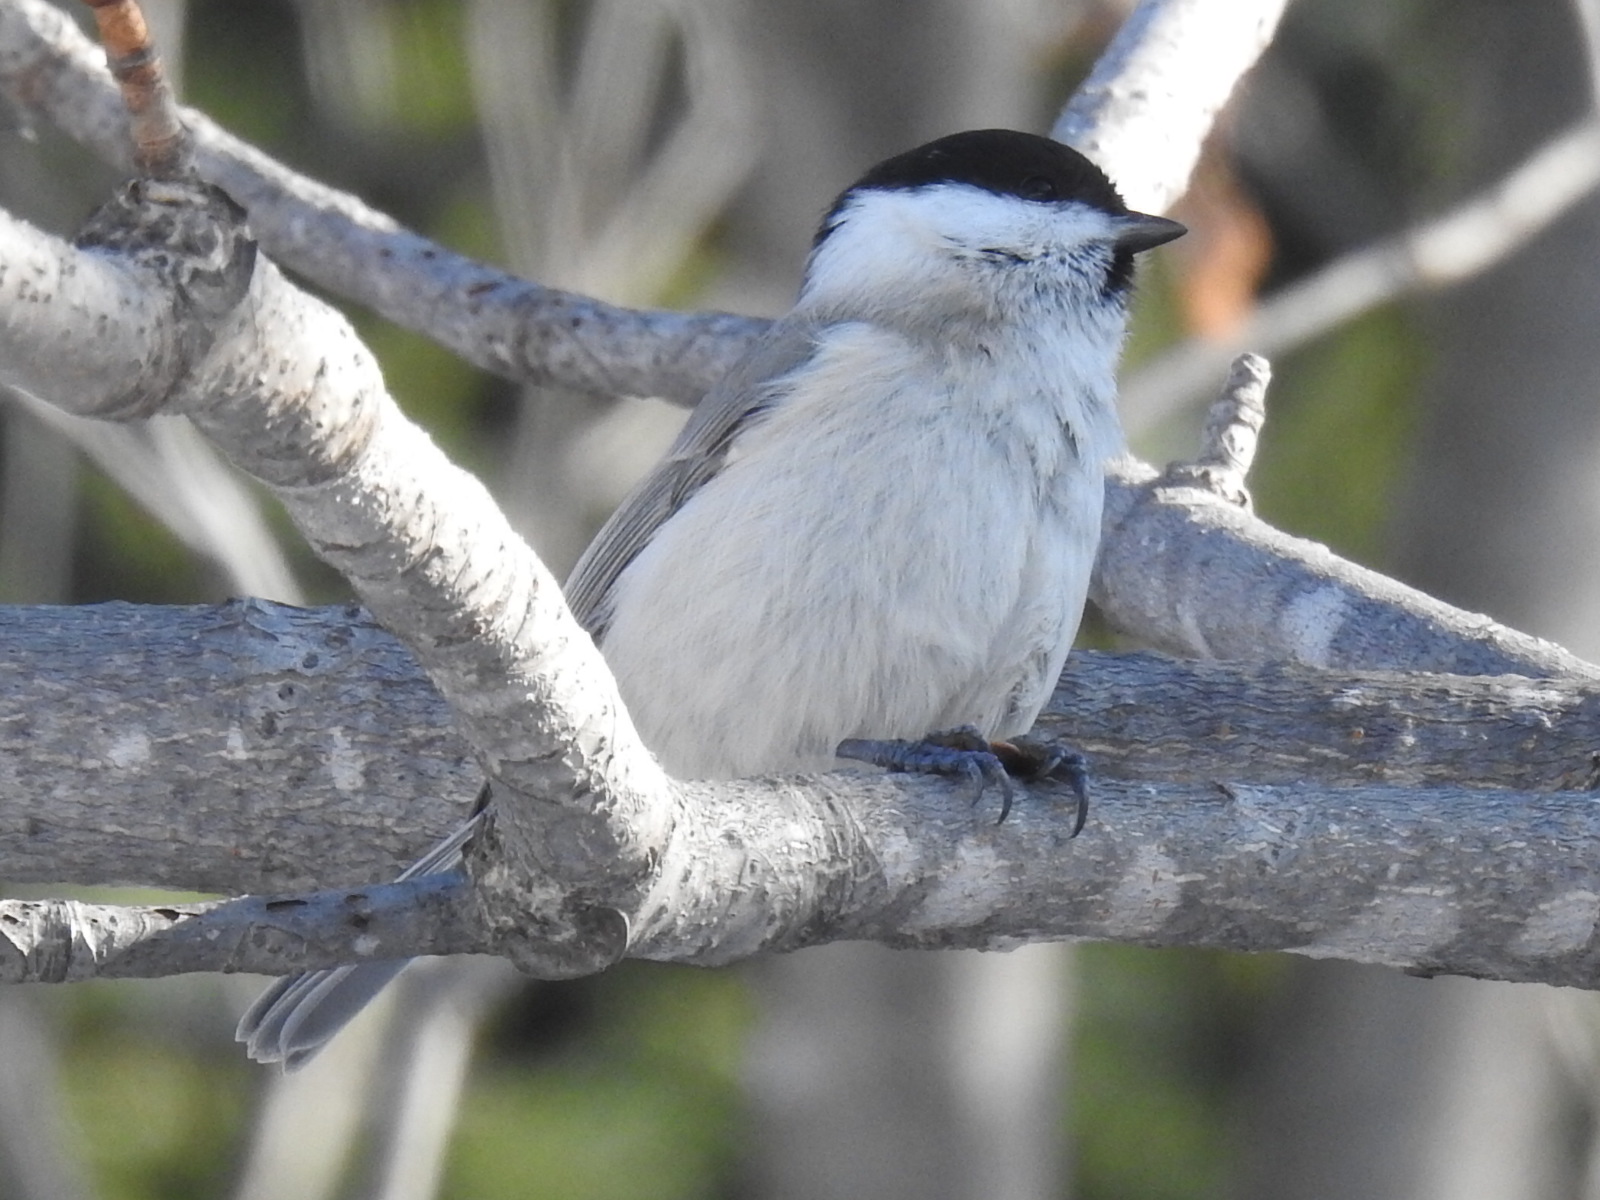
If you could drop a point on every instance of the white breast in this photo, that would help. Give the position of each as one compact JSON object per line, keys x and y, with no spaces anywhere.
{"x":882,"y":577}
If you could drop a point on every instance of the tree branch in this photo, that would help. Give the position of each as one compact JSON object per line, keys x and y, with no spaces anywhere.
{"x":66,"y":941}
{"x":152,"y":746}
{"x":1506,"y":886}
{"x":1446,"y":250}
{"x":1243,"y":807}
{"x":491,"y":318}
{"x":593,"y":853}
{"x":1186,"y":571}
{"x":320,"y":725}
{"x":1151,"y":100}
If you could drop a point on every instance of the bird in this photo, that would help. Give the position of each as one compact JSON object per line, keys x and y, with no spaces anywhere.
{"x":881,"y":523}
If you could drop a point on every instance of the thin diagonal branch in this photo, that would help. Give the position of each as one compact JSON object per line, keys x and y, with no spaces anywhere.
{"x":491,"y":318}
{"x":161,"y":145}
{"x":1444,"y":251}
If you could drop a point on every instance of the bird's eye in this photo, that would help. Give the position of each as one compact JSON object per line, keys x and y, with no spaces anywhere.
{"x":1036,"y":187}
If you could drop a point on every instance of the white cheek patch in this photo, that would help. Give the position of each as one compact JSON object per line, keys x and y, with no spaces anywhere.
{"x":886,"y":240}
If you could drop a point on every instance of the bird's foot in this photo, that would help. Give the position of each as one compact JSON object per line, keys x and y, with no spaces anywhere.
{"x":965,"y":753}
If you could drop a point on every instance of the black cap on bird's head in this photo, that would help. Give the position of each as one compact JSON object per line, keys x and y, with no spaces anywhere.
{"x":1006,"y":162}
{"x":1003,"y":161}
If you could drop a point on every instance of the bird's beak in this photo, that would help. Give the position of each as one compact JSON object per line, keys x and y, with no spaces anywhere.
{"x":1139,"y":231}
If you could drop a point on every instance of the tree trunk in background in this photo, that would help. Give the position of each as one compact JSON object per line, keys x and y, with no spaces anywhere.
{"x":1375,"y":1084}
{"x":1379,"y":1085}
{"x":876,"y":1073}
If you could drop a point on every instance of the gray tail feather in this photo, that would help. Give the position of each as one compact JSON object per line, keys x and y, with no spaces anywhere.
{"x":297,"y":1015}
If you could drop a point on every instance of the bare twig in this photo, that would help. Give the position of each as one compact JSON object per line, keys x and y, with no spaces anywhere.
{"x":1228,"y":441}
{"x":162,"y":148}
{"x":488,"y":316}
{"x":62,"y":941}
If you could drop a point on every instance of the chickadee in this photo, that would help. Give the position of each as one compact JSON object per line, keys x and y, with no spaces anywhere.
{"x":883,"y":520}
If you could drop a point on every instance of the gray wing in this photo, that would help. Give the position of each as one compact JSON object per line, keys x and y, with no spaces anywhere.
{"x":748,"y":390}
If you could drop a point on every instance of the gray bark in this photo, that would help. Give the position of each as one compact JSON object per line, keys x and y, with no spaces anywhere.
{"x":1343,"y":840}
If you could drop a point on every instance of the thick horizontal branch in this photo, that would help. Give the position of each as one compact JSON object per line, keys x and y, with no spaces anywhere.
{"x":247,"y":747}
{"x":1162,"y":720}
{"x":1498,"y":884}
{"x":122,"y":723}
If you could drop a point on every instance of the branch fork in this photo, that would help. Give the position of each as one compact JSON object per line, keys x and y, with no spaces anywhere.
{"x":281,"y":383}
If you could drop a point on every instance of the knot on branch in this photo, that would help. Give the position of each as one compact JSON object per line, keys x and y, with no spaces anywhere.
{"x":569,"y":941}
{"x":192,"y":238}
{"x":543,"y":928}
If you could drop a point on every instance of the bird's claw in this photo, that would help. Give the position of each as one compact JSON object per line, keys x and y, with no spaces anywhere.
{"x":1038,"y":758}
{"x":965,"y":753}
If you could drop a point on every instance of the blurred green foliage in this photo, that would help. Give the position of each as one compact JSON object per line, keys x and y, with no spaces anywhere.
{"x":1335,"y":444}
{"x":1164,"y":1038}
{"x":124,"y":553}
{"x":243,"y":69}
{"x":154,"y":1116}
{"x":641,"y":1103}
{"x":156,"y":1124}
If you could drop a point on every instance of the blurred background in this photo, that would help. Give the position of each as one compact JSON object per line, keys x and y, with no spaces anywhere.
{"x":679,"y":153}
